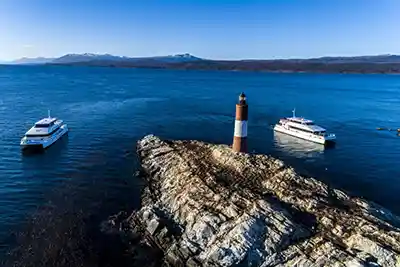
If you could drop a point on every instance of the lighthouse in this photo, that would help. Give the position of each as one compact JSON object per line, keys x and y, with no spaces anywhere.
{"x":240,"y":133}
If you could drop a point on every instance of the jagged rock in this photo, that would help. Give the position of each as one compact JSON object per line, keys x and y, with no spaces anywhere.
{"x":220,"y":208}
{"x":153,"y":226}
{"x":192,"y":263}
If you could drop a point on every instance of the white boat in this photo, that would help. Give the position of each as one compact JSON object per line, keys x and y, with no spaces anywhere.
{"x":304,"y":129}
{"x":44,"y":133}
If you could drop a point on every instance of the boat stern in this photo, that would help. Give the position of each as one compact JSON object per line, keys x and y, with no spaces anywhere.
{"x":330,"y":139}
{"x":30,"y":144}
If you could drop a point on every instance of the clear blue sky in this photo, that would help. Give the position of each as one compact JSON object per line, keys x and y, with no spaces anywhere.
{"x":217,"y":29}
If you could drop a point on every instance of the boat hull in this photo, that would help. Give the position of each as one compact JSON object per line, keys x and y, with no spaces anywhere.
{"x":306,"y":136}
{"x":41,"y":144}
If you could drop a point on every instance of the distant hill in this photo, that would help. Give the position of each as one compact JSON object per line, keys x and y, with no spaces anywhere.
{"x":373,"y":64}
{"x":37,"y":60}
{"x":88,"y":57}
{"x":177,"y":58}
{"x":379,"y":59}
{"x":359,"y":64}
{"x":74,"y":58}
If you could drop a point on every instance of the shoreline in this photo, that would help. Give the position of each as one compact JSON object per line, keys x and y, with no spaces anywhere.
{"x":283,"y":71}
{"x":225,"y":70}
{"x":205,"y":205}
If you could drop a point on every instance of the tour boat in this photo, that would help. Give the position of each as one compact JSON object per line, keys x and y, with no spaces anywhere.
{"x":44,"y":133}
{"x":305,"y":129}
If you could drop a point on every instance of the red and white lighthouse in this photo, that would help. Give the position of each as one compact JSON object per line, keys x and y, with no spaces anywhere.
{"x":240,"y":133}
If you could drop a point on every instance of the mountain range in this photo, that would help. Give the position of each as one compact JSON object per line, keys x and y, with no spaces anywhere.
{"x":26,"y":61}
{"x":358,"y":64}
{"x":89,"y":57}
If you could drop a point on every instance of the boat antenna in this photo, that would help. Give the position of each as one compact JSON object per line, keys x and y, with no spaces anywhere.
{"x":294,"y":112}
{"x":48,"y":112}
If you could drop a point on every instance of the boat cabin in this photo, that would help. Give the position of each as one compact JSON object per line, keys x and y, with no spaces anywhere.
{"x":44,"y":128}
{"x":301,"y":120}
{"x":304,"y":125}
{"x":45,"y":123}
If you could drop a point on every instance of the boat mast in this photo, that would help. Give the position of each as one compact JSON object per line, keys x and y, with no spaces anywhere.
{"x":294,"y":112}
{"x":48,"y":112}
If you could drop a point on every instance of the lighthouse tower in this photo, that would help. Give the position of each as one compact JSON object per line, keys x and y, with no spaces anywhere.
{"x":240,"y":134}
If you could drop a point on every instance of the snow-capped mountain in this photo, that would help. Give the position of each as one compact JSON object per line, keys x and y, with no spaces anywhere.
{"x":166,"y":59}
{"x":72,"y":58}
{"x":90,"y":57}
{"x":178,"y":58}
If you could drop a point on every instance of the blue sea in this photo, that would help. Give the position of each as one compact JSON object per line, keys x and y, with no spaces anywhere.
{"x":51,"y":203}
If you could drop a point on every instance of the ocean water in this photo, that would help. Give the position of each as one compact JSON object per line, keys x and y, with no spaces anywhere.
{"x":57,"y":199}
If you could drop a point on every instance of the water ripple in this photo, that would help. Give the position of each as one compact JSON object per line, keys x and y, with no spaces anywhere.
{"x":88,"y":175}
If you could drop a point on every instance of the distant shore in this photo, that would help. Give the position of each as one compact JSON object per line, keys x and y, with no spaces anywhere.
{"x":271,"y":67}
{"x":172,"y":67}
{"x":379,"y":64}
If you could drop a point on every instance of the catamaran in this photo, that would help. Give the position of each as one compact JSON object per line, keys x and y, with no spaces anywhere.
{"x":44,"y":133}
{"x":304,"y":128}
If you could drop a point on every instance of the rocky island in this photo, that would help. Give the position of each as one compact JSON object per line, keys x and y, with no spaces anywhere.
{"x":205,"y":205}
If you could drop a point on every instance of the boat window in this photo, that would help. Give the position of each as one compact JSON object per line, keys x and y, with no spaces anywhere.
{"x":43,"y":135}
{"x":36,"y":135}
{"x":300,"y":129}
{"x":42,"y":125}
{"x":309,"y":123}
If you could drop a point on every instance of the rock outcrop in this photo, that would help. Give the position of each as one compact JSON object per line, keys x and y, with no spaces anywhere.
{"x":205,"y":205}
